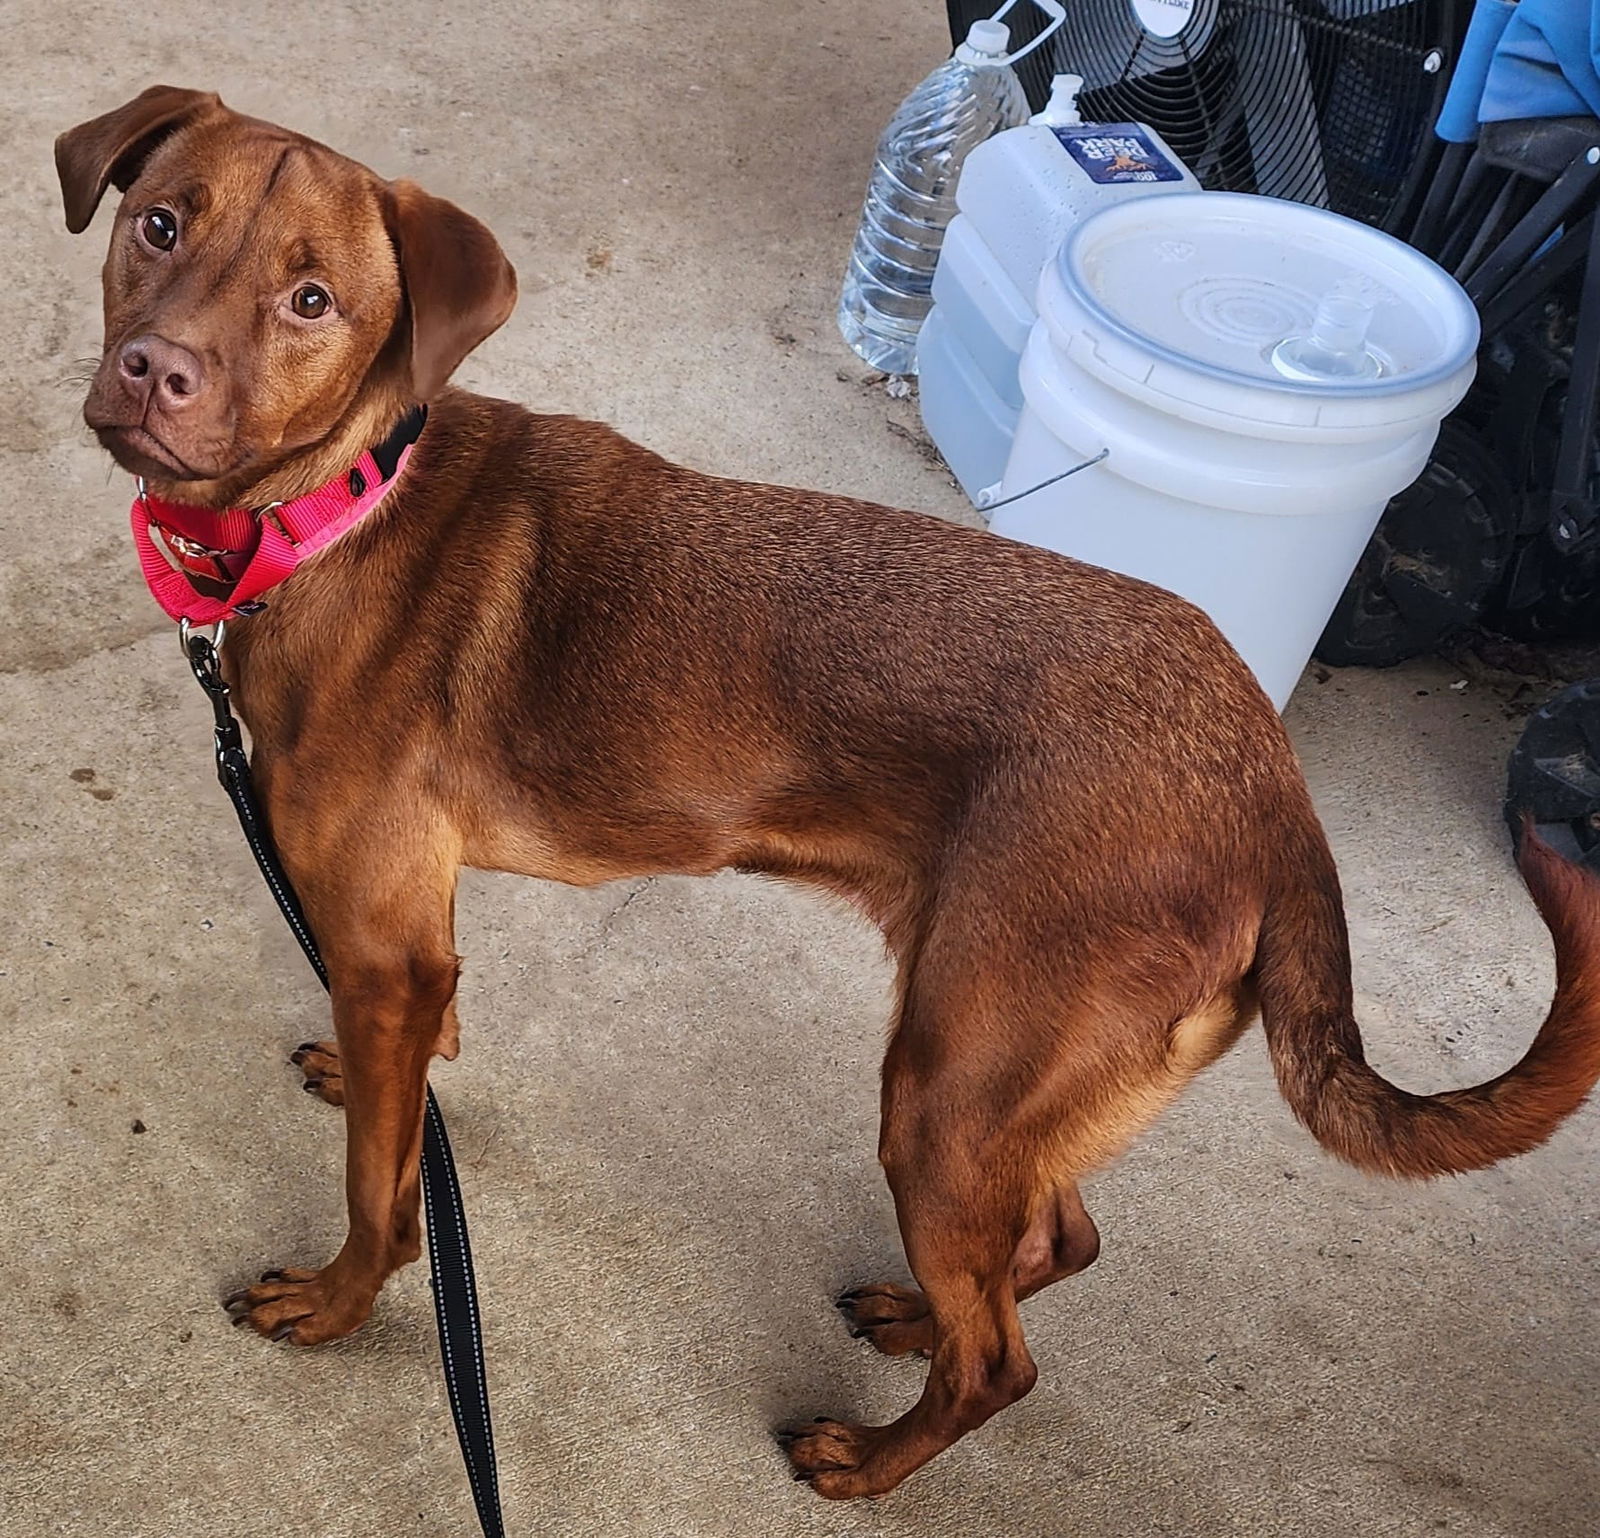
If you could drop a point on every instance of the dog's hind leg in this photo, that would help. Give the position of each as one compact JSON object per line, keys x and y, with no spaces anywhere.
{"x":1026,"y":1055}
{"x":318,"y":1062}
{"x":1060,"y":1242}
{"x":963,"y":1191}
{"x":322,"y":1075}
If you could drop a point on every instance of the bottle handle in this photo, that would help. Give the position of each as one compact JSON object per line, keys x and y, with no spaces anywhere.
{"x":1052,"y":8}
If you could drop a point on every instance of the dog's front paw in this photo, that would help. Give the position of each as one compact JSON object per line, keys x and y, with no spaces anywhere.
{"x":319,"y":1062}
{"x":298,"y":1306}
{"x":829,"y":1454}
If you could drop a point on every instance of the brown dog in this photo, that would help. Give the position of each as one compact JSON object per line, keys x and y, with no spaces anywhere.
{"x":1060,"y":793}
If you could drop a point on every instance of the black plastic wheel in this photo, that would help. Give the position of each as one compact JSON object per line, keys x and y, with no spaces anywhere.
{"x":1555,"y":773}
{"x":1438,"y":553}
{"x":1565,"y":589}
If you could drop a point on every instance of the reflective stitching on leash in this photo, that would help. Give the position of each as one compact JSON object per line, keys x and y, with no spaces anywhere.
{"x":431,"y":1112}
{"x":458,"y":1209}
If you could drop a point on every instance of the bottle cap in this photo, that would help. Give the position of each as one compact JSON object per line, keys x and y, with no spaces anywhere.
{"x":989,"y":37}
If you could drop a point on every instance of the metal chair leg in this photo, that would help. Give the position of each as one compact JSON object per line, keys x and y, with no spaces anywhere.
{"x":1530,"y":285}
{"x":1425,"y":233}
{"x":1573,"y":513}
{"x":1535,"y":227}
{"x":1471,"y":207}
{"x":1501,"y":217}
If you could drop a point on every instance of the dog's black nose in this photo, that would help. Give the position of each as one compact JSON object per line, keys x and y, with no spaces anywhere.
{"x":167,"y":375}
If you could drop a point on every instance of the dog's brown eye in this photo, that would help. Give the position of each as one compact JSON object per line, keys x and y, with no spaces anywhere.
{"x":159,"y":229}
{"x":309,"y":302}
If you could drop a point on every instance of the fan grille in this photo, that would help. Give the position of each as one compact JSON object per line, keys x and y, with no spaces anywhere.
{"x":1322,"y":103}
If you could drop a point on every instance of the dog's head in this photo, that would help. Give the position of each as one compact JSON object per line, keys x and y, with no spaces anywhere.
{"x":264,"y":296}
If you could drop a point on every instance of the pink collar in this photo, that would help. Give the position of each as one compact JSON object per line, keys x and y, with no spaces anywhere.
{"x":203,"y":565}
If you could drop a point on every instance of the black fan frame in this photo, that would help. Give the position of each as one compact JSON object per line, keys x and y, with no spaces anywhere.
{"x":1197,"y":106}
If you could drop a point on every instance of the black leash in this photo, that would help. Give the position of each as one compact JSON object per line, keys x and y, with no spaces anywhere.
{"x":455,"y":1292}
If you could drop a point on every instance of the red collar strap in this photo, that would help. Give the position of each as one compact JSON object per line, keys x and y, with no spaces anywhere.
{"x":203,"y":565}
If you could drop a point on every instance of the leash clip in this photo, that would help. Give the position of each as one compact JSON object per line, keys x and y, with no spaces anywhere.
{"x":200,"y":650}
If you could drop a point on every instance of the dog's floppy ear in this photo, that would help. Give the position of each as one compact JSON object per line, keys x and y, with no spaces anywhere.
{"x":459,"y":287}
{"x":111,"y":150}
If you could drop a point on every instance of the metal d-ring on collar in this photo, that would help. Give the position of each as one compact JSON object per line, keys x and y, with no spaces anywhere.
{"x":219,"y":631}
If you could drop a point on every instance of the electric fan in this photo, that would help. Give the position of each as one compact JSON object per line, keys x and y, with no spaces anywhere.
{"x":1323,"y":101}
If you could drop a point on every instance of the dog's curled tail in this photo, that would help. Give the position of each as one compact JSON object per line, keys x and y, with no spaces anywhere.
{"x":1303,"y":973}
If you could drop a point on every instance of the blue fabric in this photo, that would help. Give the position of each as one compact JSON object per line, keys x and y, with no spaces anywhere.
{"x":1547,"y":62}
{"x":1458,"y":118}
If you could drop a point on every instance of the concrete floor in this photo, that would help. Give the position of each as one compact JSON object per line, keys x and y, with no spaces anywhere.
{"x":665,"y":1108}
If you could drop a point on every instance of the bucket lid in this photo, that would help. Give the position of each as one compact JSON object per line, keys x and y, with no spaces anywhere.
{"x":1266,"y":294}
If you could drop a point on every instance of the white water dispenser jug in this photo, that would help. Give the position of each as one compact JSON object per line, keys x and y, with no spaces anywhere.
{"x":1020,"y":194}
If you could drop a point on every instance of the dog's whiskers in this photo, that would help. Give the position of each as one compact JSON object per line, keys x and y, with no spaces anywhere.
{"x":80,"y":375}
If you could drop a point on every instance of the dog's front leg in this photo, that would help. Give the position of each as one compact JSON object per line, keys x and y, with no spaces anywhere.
{"x":387,"y":938}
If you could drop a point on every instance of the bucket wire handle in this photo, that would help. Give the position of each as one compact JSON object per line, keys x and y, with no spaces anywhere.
{"x":1052,"y":8}
{"x":986,"y":504}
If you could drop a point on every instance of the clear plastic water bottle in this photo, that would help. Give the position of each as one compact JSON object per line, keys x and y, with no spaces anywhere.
{"x":911,"y":197}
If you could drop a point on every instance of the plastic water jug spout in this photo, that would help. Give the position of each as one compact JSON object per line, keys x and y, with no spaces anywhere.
{"x":1336,"y":346}
{"x":1061,"y":111}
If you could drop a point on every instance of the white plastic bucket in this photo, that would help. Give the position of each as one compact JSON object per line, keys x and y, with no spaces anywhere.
{"x":1242,"y":478}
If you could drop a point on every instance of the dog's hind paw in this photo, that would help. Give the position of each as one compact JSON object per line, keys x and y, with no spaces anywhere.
{"x":894,"y":1320}
{"x":319,"y":1062}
